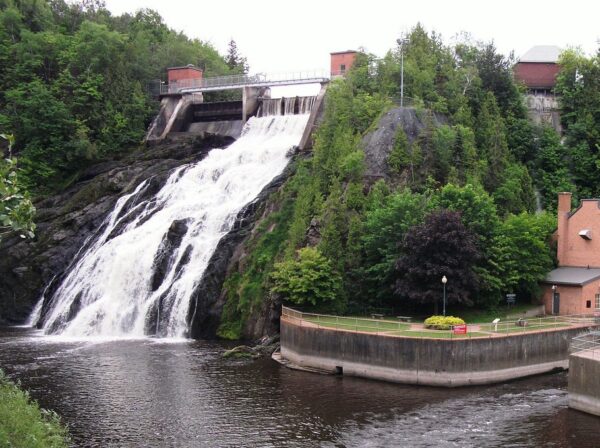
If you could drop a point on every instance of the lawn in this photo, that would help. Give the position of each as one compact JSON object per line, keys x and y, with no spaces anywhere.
{"x":357,"y":323}
{"x":533,"y":326}
{"x":473,"y":316}
{"x":437,"y":334}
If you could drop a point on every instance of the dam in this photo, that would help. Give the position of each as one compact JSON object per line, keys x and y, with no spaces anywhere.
{"x":183,"y":109}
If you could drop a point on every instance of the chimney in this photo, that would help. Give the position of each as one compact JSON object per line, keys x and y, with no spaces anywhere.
{"x":564,"y":208}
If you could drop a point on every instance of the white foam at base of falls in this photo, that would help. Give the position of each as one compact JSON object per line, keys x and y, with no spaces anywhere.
{"x":109,"y":286}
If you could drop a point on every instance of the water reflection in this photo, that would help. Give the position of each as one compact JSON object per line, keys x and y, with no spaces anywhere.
{"x":149,"y":393}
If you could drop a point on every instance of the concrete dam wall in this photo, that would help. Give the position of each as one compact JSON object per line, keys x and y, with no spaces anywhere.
{"x":426,"y":361}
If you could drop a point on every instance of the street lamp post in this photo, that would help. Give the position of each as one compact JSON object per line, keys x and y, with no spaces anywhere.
{"x":444,"y":281}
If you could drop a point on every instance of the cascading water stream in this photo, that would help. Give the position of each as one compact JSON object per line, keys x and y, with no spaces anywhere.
{"x":286,"y":106}
{"x":138,"y":276}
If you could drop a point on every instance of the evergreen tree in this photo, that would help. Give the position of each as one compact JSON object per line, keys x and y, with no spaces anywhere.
{"x":234,"y":60}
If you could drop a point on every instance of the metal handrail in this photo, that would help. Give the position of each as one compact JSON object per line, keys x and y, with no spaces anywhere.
{"x":586,"y":342}
{"x":244,"y":80}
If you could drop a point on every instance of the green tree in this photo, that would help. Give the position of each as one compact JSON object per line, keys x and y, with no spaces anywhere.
{"x":16,"y":209}
{"x":526,"y":255}
{"x":578,"y":84}
{"x":234,"y":60}
{"x":384,"y":227}
{"x":310,"y":279}
{"x":491,"y":140}
{"x":552,"y":168}
{"x":440,"y":246}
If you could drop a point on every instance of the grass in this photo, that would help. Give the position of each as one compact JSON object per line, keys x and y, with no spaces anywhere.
{"x":23,"y":424}
{"x":357,"y":323}
{"x":436,"y":334}
{"x":533,"y":326}
{"x":473,"y":316}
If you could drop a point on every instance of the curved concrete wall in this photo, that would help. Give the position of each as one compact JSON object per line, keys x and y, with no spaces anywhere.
{"x":435,"y":362}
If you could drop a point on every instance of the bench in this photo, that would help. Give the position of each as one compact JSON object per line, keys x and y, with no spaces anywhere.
{"x":404,"y":318}
{"x":376,"y":316}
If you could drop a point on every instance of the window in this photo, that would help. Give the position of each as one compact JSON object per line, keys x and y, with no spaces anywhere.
{"x":343,"y":68}
{"x":598,"y":301}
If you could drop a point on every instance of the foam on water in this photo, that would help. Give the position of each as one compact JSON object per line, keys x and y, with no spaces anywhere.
{"x":108,"y":292}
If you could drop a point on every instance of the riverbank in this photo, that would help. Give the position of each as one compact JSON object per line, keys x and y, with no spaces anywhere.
{"x":23,"y":424}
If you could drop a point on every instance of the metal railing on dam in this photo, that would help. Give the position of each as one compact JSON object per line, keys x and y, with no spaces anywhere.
{"x":238,"y":81}
{"x":401,"y":327}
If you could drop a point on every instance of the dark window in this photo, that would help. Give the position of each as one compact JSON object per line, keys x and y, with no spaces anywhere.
{"x":343,"y":68}
{"x":588,"y":304}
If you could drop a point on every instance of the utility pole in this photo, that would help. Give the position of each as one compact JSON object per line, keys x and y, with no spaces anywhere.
{"x":401,"y":42}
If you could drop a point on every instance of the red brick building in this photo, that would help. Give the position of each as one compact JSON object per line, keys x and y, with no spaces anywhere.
{"x":182,"y":77}
{"x":341,"y":61}
{"x":574,"y":287}
{"x":537,"y":69}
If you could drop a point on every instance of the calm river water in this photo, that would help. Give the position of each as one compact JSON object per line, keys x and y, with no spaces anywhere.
{"x":149,"y":393}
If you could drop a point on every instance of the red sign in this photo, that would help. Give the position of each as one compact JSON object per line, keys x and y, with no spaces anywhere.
{"x":460,"y":329}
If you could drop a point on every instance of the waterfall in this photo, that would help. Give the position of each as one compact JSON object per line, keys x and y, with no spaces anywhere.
{"x":138,"y":276}
{"x":286,"y":106}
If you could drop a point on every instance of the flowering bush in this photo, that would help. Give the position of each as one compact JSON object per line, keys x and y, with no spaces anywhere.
{"x":442,"y":322}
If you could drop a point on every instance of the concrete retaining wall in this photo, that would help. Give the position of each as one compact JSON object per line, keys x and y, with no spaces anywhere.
{"x":436,"y":362}
{"x":584,"y":382}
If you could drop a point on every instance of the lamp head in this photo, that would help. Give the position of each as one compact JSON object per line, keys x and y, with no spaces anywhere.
{"x":444,"y":280}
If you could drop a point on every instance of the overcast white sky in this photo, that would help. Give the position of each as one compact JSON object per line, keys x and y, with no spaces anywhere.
{"x":283,"y":35}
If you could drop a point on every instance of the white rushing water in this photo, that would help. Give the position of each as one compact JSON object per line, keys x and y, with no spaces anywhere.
{"x":110,"y":288}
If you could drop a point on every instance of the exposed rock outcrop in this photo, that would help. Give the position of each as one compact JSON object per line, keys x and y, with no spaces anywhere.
{"x":66,"y":220}
{"x":379,"y":143}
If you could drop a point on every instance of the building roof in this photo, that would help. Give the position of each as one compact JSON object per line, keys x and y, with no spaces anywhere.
{"x":344,"y":52}
{"x":189,"y":66}
{"x":572,"y":276}
{"x":542,"y":53}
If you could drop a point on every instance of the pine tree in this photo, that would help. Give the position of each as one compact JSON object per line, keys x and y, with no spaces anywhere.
{"x":235,"y":61}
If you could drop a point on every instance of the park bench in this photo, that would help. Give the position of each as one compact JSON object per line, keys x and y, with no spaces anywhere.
{"x":376,"y":316}
{"x":404,"y":318}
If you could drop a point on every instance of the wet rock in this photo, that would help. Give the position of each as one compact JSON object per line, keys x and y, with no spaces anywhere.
{"x":66,"y":220}
{"x":242,"y":351}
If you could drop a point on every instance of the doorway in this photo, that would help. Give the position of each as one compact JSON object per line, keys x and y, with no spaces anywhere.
{"x":556,"y":303}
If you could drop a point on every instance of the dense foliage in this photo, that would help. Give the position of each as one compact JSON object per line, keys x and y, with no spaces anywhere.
{"x":440,"y":246}
{"x":308,"y":279}
{"x":468,"y":165}
{"x":578,"y":85}
{"x":74,"y":81}
{"x":16,"y":209}
{"x":23,"y":424}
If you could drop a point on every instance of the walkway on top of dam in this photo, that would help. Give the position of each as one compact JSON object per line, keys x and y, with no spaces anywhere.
{"x":240,"y":81}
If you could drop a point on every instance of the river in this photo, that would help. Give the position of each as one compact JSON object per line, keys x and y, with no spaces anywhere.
{"x":152,"y":393}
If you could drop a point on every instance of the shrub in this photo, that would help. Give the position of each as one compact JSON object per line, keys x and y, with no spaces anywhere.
{"x":308,"y":279}
{"x":24,"y":424}
{"x":442,"y":322}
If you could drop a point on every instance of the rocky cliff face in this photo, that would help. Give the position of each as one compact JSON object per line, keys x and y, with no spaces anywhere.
{"x":378,"y":144}
{"x":66,"y":220}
